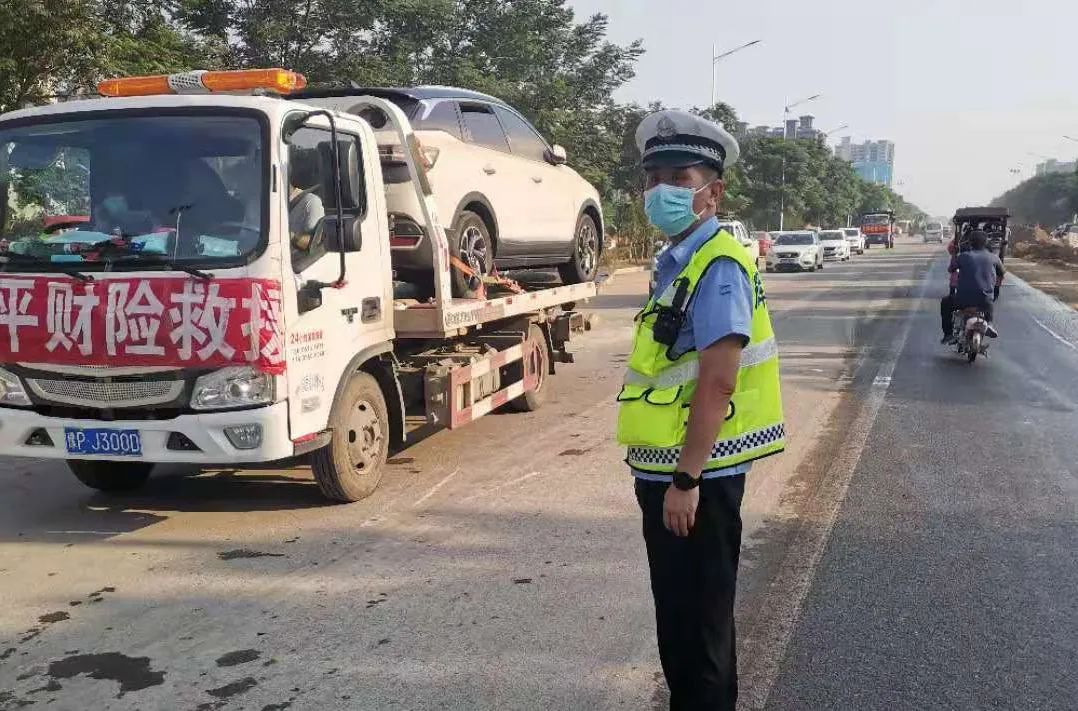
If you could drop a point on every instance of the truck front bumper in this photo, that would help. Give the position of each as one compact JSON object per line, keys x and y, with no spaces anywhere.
{"x":205,"y":431}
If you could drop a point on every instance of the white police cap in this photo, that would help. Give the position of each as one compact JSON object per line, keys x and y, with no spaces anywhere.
{"x":678,"y":139}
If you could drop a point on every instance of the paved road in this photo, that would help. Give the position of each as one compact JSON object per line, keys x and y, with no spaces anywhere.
{"x":950,"y":578}
{"x":500,"y":567}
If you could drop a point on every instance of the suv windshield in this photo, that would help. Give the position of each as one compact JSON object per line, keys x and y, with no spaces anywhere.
{"x":831,"y":235}
{"x":934,"y":226}
{"x":876,"y":220}
{"x":797,"y":238}
{"x":131,"y":190}
{"x":851,"y":232}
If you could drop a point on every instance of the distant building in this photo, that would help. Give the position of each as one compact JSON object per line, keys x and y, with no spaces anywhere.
{"x":1056,"y":166}
{"x":801,"y":127}
{"x":874,"y":161}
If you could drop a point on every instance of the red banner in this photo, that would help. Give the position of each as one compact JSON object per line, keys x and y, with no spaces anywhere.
{"x":142,"y":322}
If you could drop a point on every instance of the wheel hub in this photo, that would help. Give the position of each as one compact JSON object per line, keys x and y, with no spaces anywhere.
{"x":364,"y":436}
{"x":587,"y":248}
{"x":473,"y":250}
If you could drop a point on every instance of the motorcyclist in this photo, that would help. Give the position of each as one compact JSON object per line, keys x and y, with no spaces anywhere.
{"x":979,"y":274}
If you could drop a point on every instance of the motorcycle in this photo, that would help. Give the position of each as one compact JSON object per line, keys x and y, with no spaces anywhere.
{"x":971,"y":332}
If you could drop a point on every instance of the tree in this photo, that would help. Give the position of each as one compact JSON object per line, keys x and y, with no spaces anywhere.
{"x":1049,"y":200}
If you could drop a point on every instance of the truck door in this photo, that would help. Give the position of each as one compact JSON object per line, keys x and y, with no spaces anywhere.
{"x":328,"y":326}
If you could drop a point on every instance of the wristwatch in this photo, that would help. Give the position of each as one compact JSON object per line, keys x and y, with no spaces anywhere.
{"x":686,"y":482}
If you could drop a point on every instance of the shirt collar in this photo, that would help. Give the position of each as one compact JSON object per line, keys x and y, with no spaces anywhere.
{"x":682,"y":252}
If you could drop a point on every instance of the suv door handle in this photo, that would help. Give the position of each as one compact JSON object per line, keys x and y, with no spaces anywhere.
{"x":490,"y":170}
{"x":537,"y":178}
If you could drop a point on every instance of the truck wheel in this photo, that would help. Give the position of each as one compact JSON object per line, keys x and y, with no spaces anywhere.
{"x":533,"y":399}
{"x":476,"y":249}
{"x":351,"y":465}
{"x":584,"y":263}
{"x":113,"y":477}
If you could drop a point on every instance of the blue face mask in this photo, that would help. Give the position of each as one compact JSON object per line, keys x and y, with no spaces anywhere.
{"x":669,"y":208}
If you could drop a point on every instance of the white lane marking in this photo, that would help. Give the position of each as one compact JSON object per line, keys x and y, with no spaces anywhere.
{"x":85,"y":533}
{"x":499,"y":487}
{"x":434,"y":489}
{"x":839,"y":476}
{"x":1053,"y":334}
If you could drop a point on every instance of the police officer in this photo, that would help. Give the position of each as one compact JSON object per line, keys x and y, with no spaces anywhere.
{"x":700,"y":402}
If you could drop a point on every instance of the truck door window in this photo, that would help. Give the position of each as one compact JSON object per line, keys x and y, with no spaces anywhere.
{"x":311,"y":197}
{"x":483,"y":127}
{"x":523,"y":139}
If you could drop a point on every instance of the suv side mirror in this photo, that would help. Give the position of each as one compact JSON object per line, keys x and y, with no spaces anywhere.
{"x":557,"y":155}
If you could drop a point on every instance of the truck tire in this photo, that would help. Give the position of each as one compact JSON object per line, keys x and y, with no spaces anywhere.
{"x":584,"y":262}
{"x":475,"y":248}
{"x":350,"y":467}
{"x":111,"y":477}
{"x":534,"y":399}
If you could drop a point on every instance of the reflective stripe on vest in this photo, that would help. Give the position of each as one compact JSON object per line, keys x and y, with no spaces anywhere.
{"x":688,"y":372}
{"x":659,"y":385}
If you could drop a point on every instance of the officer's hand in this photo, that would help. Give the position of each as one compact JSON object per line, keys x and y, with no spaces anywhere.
{"x":679,"y":510}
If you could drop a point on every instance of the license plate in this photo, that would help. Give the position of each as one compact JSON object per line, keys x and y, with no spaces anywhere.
{"x":124,"y":443}
{"x":788,"y":259}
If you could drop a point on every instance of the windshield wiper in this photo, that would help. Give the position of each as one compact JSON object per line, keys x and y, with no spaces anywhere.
{"x":14,"y":257}
{"x":197,"y":273}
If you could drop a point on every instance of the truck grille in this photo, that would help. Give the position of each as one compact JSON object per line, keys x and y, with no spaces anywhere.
{"x":89,"y":393}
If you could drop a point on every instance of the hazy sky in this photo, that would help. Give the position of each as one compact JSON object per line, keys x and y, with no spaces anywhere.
{"x":966,"y":89}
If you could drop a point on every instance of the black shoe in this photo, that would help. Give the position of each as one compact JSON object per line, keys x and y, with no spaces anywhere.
{"x":992,"y":332}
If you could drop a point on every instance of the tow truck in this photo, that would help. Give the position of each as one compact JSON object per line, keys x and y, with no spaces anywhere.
{"x":182,"y":321}
{"x":879,"y":228}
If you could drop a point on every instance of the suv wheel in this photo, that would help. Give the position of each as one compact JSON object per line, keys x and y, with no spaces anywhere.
{"x":584,"y":263}
{"x":476,"y":249}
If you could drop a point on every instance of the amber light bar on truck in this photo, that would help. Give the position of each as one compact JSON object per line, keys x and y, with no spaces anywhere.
{"x":281,"y":81}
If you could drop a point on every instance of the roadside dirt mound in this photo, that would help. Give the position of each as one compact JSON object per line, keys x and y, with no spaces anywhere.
{"x":1038,"y":245}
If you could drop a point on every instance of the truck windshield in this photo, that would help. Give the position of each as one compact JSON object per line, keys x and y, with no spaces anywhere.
{"x":131,"y":191}
{"x":876,"y":220}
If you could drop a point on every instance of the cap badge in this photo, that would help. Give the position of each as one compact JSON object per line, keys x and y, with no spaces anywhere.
{"x":666,"y":128}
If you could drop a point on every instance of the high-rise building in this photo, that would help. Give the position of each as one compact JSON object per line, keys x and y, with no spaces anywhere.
{"x":874,"y":161}
{"x":801,"y":127}
{"x":1057,"y":166}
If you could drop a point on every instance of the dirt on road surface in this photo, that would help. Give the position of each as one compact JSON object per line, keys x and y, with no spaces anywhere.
{"x":497,"y":567}
{"x":1056,"y":280}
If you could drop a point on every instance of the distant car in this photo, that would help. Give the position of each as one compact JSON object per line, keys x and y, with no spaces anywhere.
{"x":855,"y":239}
{"x":506,"y":195}
{"x":795,"y":251}
{"x":763,"y":239}
{"x":739,"y":232}
{"x":934,"y":232}
{"x":835,"y":245}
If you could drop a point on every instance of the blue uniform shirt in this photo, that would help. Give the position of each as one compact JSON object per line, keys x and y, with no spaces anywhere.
{"x":720,"y":306}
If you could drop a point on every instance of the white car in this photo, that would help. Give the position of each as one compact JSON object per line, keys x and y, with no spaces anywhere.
{"x":506,"y":197}
{"x":737,"y":229}
{"x":797,"y":251}
{"x":855,"y":239}
{"x":934,"y":232}
{"x":835,"y":245}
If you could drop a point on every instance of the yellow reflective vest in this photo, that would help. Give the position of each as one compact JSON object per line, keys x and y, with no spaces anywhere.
{"x":659,"y":385}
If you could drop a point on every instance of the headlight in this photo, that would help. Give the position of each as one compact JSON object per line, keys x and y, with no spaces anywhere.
{"x":237,"y":386}
{"x":12,"y":391}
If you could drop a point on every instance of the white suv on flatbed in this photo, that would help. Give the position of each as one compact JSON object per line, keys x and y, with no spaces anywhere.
{"x":506,"y":196}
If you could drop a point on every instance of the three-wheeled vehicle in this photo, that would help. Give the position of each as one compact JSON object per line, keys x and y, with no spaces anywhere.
{"x":990,"y":220}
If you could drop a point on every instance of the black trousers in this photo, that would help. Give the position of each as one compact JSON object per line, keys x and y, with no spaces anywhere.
{"x":693,"y":581}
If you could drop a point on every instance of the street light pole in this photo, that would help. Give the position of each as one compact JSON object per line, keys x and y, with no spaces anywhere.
{"x":715,"y":57}
{"x":782,"y":192}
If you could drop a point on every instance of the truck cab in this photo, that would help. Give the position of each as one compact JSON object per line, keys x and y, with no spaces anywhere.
{"x":879,"y":228}
{"x":227,"y":293}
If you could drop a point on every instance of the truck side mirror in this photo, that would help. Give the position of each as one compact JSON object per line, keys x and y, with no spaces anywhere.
{"x":309,"y":297}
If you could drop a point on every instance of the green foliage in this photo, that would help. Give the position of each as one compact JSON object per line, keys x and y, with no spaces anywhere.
{"x":559,"y":70}
{"x":1046,"y":200}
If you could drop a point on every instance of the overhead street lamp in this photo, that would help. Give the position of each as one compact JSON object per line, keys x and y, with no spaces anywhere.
{"x":716,"y":58}
{"x":782,"y":192}
{"x":1071,"y":139}
{"x":836,"y":130}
